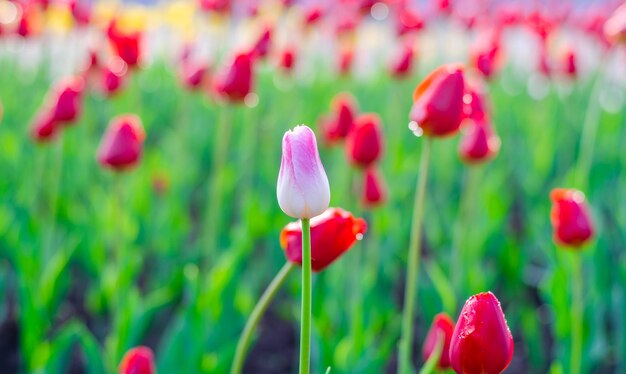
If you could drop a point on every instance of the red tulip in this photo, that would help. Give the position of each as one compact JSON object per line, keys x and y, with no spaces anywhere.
{"x":66,"y":100}
{"x":43,"y":127}
{"x":569,"y":65}
{"x":364,"y":143}
{"x":287,"y":58}
{"x":571,"y":221}
{"x":332,"y":233}
{"x":138,"y":360}
{"x":481,"y":342}
{"x":312,"y":15}
{"x":218,"y":6}
{"x":615,"y":26}
{"x":438,"y":101}
{"x":113,"y":74}
{"x":409,"y":21}
{"x":126,"y":45}
{"x":193,"y":75}
{"x":237,"y":80}
{"x":474,"y":104}
{"x":402,"y":65}
{"x":345,"y":61}
{"x":374,"y":190}
{"x":340,"y":124}
{"x":485,"y":54}
{"x":479,"y":142}
{"x":122,"y":144}
{"x":441,"y":328}
{"x":81,"y":11}
{"x":263,"y":44}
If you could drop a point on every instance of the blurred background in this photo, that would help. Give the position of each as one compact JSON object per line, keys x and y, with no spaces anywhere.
{"x":173,"y":250}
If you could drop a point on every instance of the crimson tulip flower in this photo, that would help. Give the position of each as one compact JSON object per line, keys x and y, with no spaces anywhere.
{"x":113,"y":76}
{"x":364,"y":143}
{"x":138,"y":360}
{"x":374,"y":190}
{"x":479,"y":143}
{"x":346,"y":56}
{"x":287,"y":58}
{"x":126,"y":45}
{"x":438,"y":101}
{"x":43,"y":127}
{"x":481,"y":342}
{"x":409,"y":21}
{"x":193,"y":74}
{"x":442,"y":328}
{"x":122,"y":144}
{"x":341,"y":121}
{"x":66,"y":100}
{"x":218,"y":6}
{"x":236,"y":82}
{"x":402,"y":65}
{"x":81,"y":12}
{"x":569,"y":64}
{"x":312,"y":15}
{"x":332,"y":233}
{"x":262,"y":46}
{"x":486,"y":55}
{"x":615,"y":26}
{"x":571,"y":220}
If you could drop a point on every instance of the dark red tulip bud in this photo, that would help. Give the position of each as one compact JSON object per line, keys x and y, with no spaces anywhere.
{"x":263,"y":44}
{"x":364,"y":143}
{"x":474,"y":104}
{"x":66,"y":100}
{"x":138,"y":360}
{"x":287,"y":58}
{"x":485,"y":54}
{"x":569,"y":63}
{"x":402,"y":65}
{"x":332,"y":233}
{"x":113,"y":76}
{"x":571,"y":221}
{"x":341,"y":122}
{"x":615,"y":26}
{"x":126,"y":45}
{"x":122,"y":144}
{"x":345,"y":61}
{"x":237,"y":80}
{"x":481,"y":342}
{"x":441,"y":329}
{"x":479,"y":142}
{"x":438,"y":101}
{"x":193,"y":75}
{"x":374,"y":190}
{"x":43,"y":127}
{"x":312,"y":15}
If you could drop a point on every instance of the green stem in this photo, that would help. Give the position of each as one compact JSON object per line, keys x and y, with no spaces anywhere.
{"x":577,"y":314}
{"x":255,"y":317}
{"x":214,"y":202}
{"x":412,"y":270}
{"x":431,"y":364}
{"x":305,"y":326}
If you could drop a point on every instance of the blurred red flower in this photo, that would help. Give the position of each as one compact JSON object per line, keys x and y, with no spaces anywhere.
{"x":236,"y":81}
{"x":442,"y":328}
{"x":66,"y":100}
{"x":374,"y":190}
{"x":615,"y":26}
{"x":402,"y":64}
{"x":341,"y":121}
{"x":138,"y":360}
{"x":122,"y":144}
{"x":126,"y":45}
{"x":570,"y":217}
{"x":332,"y":233}
{"x":364,"y":143}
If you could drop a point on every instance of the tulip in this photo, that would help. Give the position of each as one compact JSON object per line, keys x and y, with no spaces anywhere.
{"x":193,"y":75}
{"x":364,"y":143}
{"x":218,"y":6}
{"x":287,"y":58}
{"x":544,"y":65}
{"x":569,"y":65}
{"x":122,"y":144}
{"x":441,"y":328}
{"x":112,"y":76}
{"x":312,"y":15}
{"x":342,"y":121}
{"x":438,"y":101}
{"x":615,"y":26}
{"x":481,"y":342}
{"x":43,"y":127}
{"x":345,"y":61}
{"x":402,"y":65}
{"x":66,"y":100}
{"x":479,"y":142}
{"x":474,"y":105}
{"x":408,"y":22}
{"x":138,"y":360}
{"x":571,"y":220}
{"x":237,"y":80}
{"x":81,"y":12}
{"x":302,"y":190}
{"x":126,"y":45}
{"x":263,"y":44}
{"x":332,"y":234}
{"x":374,"y":191}
{"x":485,"y":55}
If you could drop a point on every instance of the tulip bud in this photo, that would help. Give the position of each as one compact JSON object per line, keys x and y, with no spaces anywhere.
{"x":408,"y":21}
{"x":486,"y":55}
{"x":113,"y":74}
{"x":332,"y":234}
{"x":66,"y":100}
{"x":615,"y":26}
{"x":302,"y":189}
{"x":237,"y":81}
{"x":81,"y":12}
{"x":441,"y":328}
{"x":218,"y":6}
{"x":138,"y":360}
{"x":479,"y":142}
{"x":263,"y":44}
{"x":345,"y":61}
{"x":342,"y":120}
{"x":402,"y":65}
{"x":571,"y":221}
{"x":481,"y":341}
{"x":122,"y":144}
{"x":374,"y":191}
{"x":438,"y":101}
{"x":43,"y":127}
{"x":126,"y":45}
{"x":287,"y":58}
{"x":569,"y":65}
{"x":193,"y":75}
{"x":364,"y":143}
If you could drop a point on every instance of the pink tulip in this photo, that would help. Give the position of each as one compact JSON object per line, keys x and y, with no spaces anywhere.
{"x":302,"y":189}
{"x":138,"y":360}
{"x":122,"y":144}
